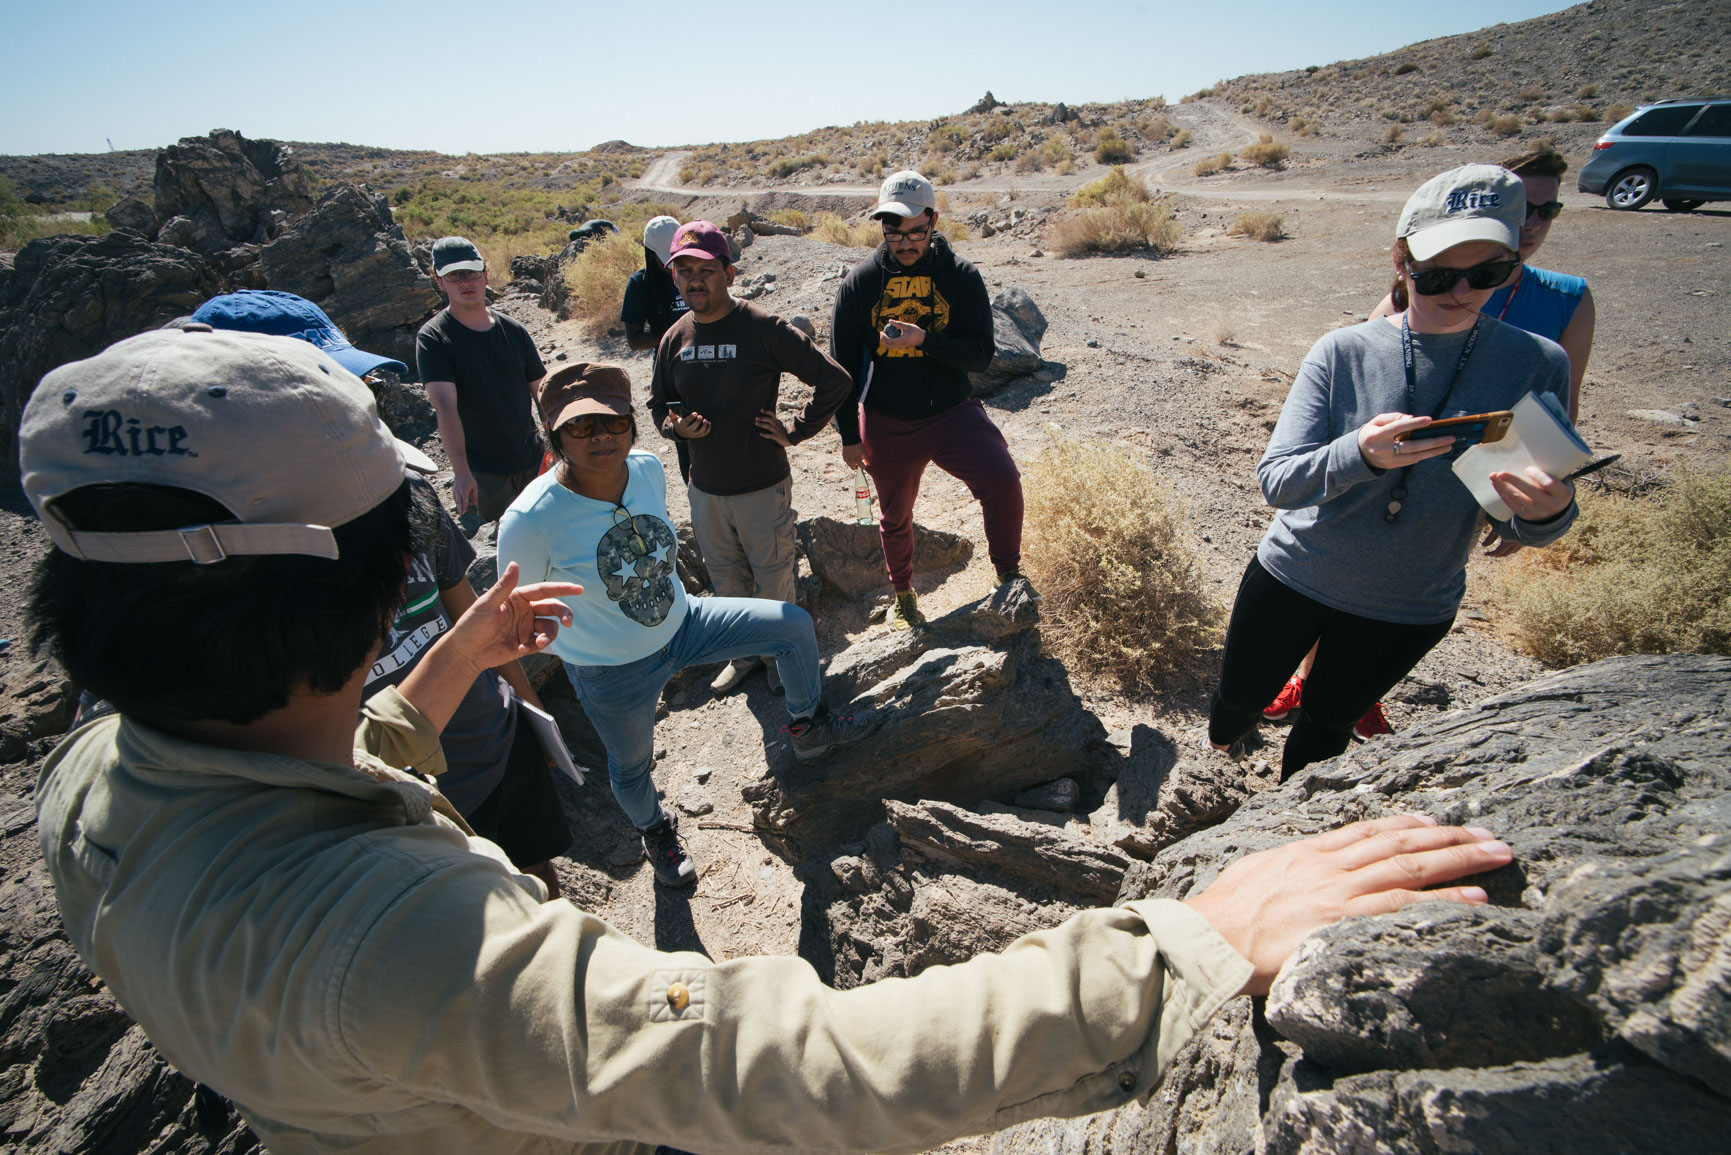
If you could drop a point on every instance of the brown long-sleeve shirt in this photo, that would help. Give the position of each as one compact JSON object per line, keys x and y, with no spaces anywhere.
{"x":731,"y":370}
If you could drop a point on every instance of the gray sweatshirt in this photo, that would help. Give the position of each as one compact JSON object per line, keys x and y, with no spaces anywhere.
{"x":1331,"y":541}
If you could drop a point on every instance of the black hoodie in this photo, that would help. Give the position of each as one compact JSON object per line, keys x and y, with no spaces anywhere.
{"x":942,"y":294}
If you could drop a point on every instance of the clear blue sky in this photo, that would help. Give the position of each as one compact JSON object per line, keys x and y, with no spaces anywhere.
{"x":538,"y":76}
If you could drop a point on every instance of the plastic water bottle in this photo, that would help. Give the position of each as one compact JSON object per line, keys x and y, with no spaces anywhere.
{"x":862,"y":497}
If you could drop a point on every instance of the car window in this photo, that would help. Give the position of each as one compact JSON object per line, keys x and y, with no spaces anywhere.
{"x":1666,"y":121}
{"x":1716,"y":121}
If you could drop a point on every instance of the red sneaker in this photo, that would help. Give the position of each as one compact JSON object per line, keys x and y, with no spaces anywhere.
{"x":1286,"y":701}
{"x":1373,"y":723}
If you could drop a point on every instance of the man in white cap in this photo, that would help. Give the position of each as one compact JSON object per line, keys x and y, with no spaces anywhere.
{"x":295,"y":924}
{"x":652,"y":300}
{"x":481,"y":370}
{"x":911,"y":322}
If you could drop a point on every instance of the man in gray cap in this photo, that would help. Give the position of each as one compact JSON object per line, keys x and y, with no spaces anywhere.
{"x":911,"y":322}
{"x":481,"y":370}
{"x":296,"y":924}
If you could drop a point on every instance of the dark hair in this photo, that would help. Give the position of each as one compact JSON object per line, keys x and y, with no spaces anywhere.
{"x":171,"y":642}
{"x":1397,"y":295}
{"x":1536,"y":162}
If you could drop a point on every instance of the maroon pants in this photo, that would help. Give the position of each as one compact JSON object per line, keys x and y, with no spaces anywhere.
{"x":961,"y":441}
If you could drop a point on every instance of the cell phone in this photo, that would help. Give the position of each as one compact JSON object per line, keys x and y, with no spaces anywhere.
{"x":1469,"y":430}
{"x":677,"y":408}
{"x":892,"y":330}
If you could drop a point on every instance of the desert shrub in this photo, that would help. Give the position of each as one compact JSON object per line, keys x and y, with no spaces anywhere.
{"x":785,"y":168}
{"x":942,"y":175}
{"x":1532,"y":94}
{"x":1119,"y":228}
{"x":1393,"y":134}
{"x":1431,"y":139}
{"x":1117,"y":187}
{"x":1403,"y":69}
{"x":1616,"y":112}
{"x":1005,"y":150}
{"x":874,"y":165}
{"x":1110,"y":549}
{"x":1158,"y":128}
{"x":1266,"y":153}
{"x":952,"y":230}
{"x":595,"y":279}
{"x":1584,"y":113}
{"x":792,"y":218}
{"x":1114,"y":149}
{"x":1065,"y":167}
{"x":1181,"y":139}
{"x":1479,"y":52}
{"x":1031,"y":161}
{"x":1633,"y":576}
{"x":1442,"y":117}
{"x":1508,"y":124}
{"x":1587,"y":91}
{"x":1209,"y":165}
{"x":1258,"y":226}
{"x":860,"y":235}
{"x":1302,"y":125}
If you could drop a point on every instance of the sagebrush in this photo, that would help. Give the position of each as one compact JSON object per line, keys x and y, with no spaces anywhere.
{"x":1633,"y":576}
{"x":595,"y":279}
{"x":1110,"y":549}
{"x":1258,"y":225}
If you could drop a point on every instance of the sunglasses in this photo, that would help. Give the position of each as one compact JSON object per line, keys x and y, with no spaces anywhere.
{"x":1435,"y":282}
{"x":586,"y":425}
{"x":462,"y":276}
{"x":1549,"y":211}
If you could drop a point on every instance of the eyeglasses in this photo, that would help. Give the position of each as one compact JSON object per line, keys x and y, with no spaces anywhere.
{"x":1435,"y":282}
{"x":461,"y":276}
{"x":909,"y":235}
{"x":1549,"y":211}
{"x":585,"y":425}
{"x":630,"y":523}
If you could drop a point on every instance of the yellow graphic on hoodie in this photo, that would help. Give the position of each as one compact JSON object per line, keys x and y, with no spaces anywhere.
{"x":911,"y":301}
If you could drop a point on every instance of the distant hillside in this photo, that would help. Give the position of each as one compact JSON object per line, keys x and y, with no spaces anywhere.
{"x":1565,"y":75}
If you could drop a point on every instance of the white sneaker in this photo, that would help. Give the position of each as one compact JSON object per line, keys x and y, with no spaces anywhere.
{"x":733,"y":674}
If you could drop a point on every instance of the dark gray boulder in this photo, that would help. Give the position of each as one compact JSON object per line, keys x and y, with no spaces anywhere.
{"x":1017,"y":327}
{"x":132,"y":213}
{"x":231,"y":188}
{"x":849,"y":558}
{"x":1588,"y":1007}
{"x":68,"y":297}
{"x":349,"y":257}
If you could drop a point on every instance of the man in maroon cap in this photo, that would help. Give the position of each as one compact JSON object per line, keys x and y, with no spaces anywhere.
{"x":717,"y":372}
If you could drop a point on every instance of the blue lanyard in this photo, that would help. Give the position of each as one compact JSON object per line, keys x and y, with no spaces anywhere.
{"x":1398,"y":495}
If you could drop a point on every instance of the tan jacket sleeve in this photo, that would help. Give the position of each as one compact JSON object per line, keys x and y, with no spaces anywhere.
{"x":545,"y":1019}
{"x":392,"y":731}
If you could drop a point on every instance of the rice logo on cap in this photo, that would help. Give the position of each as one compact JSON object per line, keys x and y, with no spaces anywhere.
{"x":110,"y":432}
{"x":1462,"y":199}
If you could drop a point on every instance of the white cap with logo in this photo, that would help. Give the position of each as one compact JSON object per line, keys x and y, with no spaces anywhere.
{"x":1475,"y":202}
{"x":286,"y":439}
{"x":906,"y":194}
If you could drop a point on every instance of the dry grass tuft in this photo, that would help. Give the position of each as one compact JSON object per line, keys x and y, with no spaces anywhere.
{"x":1266,"y":153}
{"x":1117,"y":187}
{"x":1632,"y":577}
{"x":595,"y":280}
{"x":1258,"y":226}
{"x":831,"y":229}
{"x":1209,"y":165}
{"x":1110,"y":549}
{"x":1115,"y":214}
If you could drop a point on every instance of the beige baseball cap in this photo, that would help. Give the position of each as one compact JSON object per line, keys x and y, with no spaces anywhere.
{"x":906,"y":194}
{"x":1475,"y":202}
{"x":284,"y":437}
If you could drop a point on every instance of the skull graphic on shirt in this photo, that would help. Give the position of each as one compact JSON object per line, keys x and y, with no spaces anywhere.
{"x":635,"y":561}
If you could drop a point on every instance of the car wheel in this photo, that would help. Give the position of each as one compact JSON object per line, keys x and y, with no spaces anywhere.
{"x":1674,"y":205}
{"x":1632,"y":188}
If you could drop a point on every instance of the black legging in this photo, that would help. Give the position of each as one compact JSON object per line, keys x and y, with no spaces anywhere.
{"x":1358,"y":660}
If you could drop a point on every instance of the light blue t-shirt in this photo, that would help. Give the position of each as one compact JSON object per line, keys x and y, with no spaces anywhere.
{"x":622,"y":555}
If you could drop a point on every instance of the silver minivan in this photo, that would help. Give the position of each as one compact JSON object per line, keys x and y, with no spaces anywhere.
{"x":1678,"y":151}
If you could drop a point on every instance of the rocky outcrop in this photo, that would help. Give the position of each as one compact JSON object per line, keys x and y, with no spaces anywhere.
{"x":349,"y":257}
{"x":1588,"y":1007}
{"x":849,"y":558}
{"x":230,"y":190}
{"x":68,"y":297}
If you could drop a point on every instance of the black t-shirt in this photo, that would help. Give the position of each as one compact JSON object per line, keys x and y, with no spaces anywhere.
{"x":492,"y":372}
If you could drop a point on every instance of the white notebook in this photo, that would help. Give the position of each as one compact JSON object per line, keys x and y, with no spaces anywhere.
{"x":1540,"y":435}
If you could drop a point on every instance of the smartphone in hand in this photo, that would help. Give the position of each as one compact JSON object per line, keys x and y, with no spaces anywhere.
{"x":1467,"y":431}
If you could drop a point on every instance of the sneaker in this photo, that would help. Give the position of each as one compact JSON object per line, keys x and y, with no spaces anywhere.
{"x":673,"y":866}
{"x":905,"y":613}
{"x":1374,"y":722}
{"x":817,"y":735}
{"x":1016,"y":575}
{"x":1286,"y":701}
{"x":733,"y":674}
{"x":773,"y":673}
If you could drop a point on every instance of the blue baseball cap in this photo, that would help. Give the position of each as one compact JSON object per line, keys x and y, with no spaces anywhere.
{"x":286,"y":315}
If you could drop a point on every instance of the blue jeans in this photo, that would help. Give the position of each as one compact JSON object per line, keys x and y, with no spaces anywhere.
{"x":620,"y":700}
